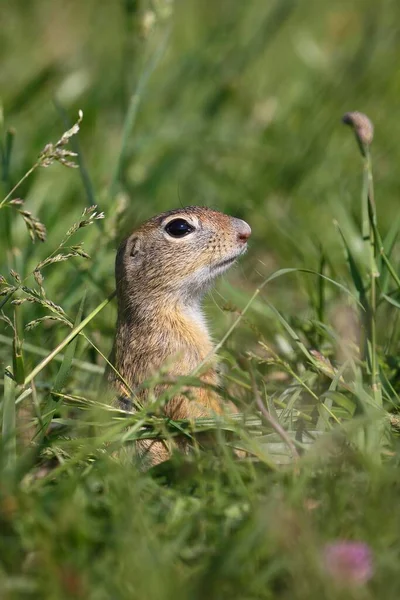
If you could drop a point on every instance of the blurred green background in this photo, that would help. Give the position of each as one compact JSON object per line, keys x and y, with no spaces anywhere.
{"x":239,"y":109}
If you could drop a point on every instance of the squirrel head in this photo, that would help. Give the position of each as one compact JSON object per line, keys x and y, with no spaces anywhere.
{"x":176,"y":255}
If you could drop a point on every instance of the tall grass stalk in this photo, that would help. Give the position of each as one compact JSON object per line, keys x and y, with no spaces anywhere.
{"x":9,"y":449}
{"x":369,"y":236}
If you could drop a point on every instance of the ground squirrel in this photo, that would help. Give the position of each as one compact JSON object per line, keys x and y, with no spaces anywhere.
{"x":162,"y":271}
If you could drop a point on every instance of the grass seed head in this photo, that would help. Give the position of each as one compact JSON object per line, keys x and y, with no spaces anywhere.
{"x":56,"y":152}
{"x":362,"y":127}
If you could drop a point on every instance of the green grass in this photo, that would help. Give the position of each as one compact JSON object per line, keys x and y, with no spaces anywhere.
{"x":238,"y":106}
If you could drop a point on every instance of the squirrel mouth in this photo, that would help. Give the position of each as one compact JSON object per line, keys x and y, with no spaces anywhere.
{"x":224,"y":264}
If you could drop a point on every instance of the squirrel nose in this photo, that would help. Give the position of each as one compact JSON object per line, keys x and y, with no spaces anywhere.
{"x":243,"y":231}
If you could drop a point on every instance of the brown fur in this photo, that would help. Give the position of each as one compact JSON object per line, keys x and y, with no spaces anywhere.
{"x":160,"y":281}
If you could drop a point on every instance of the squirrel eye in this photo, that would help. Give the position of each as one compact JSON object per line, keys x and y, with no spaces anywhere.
{"x":178,"y":228}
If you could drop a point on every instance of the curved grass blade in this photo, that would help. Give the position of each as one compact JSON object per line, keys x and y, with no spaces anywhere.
{"x":312,"y":272}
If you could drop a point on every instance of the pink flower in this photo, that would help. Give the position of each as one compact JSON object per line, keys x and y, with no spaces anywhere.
{"x":348,"y":563}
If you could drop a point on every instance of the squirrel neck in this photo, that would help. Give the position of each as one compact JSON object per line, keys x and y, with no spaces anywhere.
{"x":170,"y":334}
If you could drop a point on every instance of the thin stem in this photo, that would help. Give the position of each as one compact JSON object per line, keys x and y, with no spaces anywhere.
{"x":79,"y":364}
{"x":321,"y":289}
{"x":112,"y":367}
{"x":293,"y":373}
{"x":67,"y":340}
{"x":9,"y":424}
{"x":289,"y":369}
{"x":228,"y":333}
{"x":27,"y":174}
{"x":390,"y":268}
{"x":269,"y":418}
{"x":372,"y":222}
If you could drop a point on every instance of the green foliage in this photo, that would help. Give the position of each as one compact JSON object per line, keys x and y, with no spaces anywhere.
{"x":234,"y":105}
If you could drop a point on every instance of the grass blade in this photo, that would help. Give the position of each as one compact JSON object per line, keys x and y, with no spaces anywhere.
{"x":18,"y":359}
{"x":9,"y":423}
{"x":66,"y":364}
{"x":31,"y":348}
{"x":62,"y":375}
{"x":68,"y":339}
{"x":354,"y":271}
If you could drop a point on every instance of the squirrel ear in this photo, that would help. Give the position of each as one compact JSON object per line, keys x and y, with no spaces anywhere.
{"x":134,"y":247}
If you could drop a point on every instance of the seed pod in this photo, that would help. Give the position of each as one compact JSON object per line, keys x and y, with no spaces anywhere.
{"x":362,"y":127}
